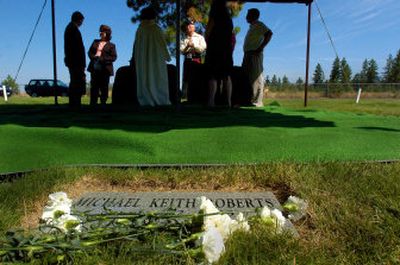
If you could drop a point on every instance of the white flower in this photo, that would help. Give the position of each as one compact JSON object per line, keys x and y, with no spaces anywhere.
{"x":60,"y":198}
{"x":68,"y":222}
{"x":207,"y":206}
{"x":274,"y":218}
{"x":280,"y":220}
{"x":58,"y":213}
{"x":54,"y":212}
{"x":223,"y":223}
{"x":265,"y":212}
{"x":296,"y":206}
{"x":240,"y":223}
{"x":212,"y":244}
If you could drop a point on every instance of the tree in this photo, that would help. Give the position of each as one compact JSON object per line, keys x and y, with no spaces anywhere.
{"x":285,"y":80}
{"x":319,"y":75}
{"x":267,"y":81}
{"x":372,"y":72}
{"x":364,"y":71}
{"x":388,"y":70}
{"x":335,"y":72}
{"x":299,"y":81}
{"x":193,"y":10}
{"x":345,"y":72}
{"x":274,"y":81}
{"x":11,"y":83}
{"x":357,"y":78}
{"x":395,"y":75}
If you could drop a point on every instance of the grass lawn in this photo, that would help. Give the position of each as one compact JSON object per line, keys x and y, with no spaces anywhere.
{"x":353,"y":215}
{"x":314,"y":153}
{"x":36,"y":134}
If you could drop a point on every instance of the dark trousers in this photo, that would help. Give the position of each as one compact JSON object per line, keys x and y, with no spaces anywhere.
{"x":77,"y":86}
{"x":99,"y":87}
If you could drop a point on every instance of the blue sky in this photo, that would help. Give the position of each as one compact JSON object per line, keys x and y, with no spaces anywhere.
{"x":360,"y":29}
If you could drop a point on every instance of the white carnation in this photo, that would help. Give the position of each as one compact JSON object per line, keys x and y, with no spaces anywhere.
{"x":265,"y":212}
{"x":212,"y":244}
{"x":59,"y":198}
{"x":279,"y":218}
{"x":240,"y":223}
{"x":207,"y":206}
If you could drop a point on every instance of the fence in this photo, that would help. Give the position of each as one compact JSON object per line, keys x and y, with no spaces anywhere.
{"x":341,"y":89}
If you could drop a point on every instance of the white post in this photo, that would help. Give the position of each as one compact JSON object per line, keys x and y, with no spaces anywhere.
{"x":358,"y":95}
{"x":5,"y":93}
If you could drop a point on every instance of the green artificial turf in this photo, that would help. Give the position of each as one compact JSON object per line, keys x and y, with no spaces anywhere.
{"x":40,"y":135}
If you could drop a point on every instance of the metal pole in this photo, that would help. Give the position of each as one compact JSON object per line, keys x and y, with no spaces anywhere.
{"x":308,"y":54}
{"x":53,"y":24}
{"x":177,"y":52}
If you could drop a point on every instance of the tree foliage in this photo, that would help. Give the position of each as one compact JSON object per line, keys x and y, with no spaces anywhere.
{"x":345,"y":71}
{"x":335,"y":72}
{"x":392,"y":69}
{"x":192,"y":10}
{"x":319,"y":75}
{"x":388,"y":70}
{"x":11,"y":83}
{"x":372,"y":72}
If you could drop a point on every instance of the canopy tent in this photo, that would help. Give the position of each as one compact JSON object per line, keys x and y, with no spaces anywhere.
{"x":178,"y":22}
{"x":307,"y":2}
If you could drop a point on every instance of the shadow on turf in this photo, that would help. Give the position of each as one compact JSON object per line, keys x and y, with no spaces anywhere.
{"x":379,"y":129}
{"x":150,"y":119}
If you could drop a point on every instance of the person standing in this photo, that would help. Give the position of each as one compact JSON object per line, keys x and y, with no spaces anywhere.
{"x":257,"y":37}
{"x":150,"y":54}
{"x":219,"y":60}
{"x":192,"y":48}
{"x":75,"y":59}
{"x":102,"y":54}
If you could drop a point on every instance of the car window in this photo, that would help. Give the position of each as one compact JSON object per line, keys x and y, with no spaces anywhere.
{"x":61,"y":83}
{"x":33,"y":83}
{"x":50,"y":83}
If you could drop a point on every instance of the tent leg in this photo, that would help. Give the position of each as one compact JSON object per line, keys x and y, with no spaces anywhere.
{"x":177,"y":52}
{"x":53,"y":25}
{"x":307,"y":56}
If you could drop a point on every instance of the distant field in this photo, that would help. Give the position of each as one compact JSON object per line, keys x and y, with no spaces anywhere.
{"x":36,"y":134}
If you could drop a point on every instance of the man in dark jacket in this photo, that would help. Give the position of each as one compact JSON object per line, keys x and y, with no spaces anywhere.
{"x":75,"y":59}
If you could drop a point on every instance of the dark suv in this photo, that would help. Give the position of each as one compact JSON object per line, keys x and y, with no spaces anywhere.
{"x":45,"y":88}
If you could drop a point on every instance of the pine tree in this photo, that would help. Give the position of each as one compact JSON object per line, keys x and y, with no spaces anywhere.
{"x":335,"y":72}
{"x":364,"y":71}
{"x":372,"y":72}
{"x":345,"y":72}
{"x":395,"y":76}
{"x":319,"y":76}
{"x":274,"y":81}
{"x":299,"y":81}
{"x":388,"y":73}
{"x":267,"y":81}
{"x":285,"y":80}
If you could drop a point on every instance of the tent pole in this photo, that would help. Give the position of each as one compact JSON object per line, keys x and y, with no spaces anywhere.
{"x":177,"y":51}
{"x":308,"y":55}
{"x":53,"y":25}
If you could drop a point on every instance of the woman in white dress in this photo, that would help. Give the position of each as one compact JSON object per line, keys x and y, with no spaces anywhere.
{"x":150,"y":54}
